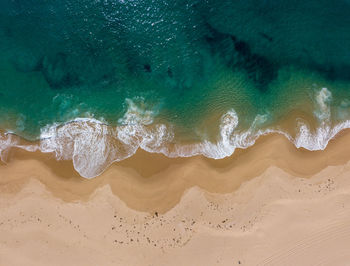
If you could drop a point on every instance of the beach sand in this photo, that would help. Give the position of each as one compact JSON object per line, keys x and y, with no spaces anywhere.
{"x":271,"y":204}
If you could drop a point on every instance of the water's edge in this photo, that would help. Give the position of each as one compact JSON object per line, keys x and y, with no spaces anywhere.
{"x":93,"y":145}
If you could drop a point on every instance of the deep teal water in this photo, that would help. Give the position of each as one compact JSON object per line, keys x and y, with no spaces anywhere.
{"x":186,"y":62}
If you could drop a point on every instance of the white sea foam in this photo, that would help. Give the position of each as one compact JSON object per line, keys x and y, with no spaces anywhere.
{"x":93,"y":145}
{"x":324,"y":133}
{"x":10,"y":140}
{"x":6,"y":142}
{"x":229,"y":140}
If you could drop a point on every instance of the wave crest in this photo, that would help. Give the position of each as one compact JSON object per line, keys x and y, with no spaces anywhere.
{"x":93,"y":145}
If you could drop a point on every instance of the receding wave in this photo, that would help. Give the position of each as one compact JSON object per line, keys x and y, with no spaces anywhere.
{"x":93,"y":145}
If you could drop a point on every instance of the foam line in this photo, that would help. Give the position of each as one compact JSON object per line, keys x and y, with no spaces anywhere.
{"x":93,"y":145}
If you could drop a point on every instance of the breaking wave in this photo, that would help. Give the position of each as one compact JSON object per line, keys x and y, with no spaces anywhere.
{"x":93,"y":145}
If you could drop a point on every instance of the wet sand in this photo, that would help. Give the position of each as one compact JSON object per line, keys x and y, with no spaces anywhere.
{"x":271,"y":204}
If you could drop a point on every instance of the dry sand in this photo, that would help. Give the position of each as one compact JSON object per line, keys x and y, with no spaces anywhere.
{"x":271,"y":204}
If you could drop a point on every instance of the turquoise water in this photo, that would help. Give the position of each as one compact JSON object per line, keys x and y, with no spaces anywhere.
{"x":211,"y":74}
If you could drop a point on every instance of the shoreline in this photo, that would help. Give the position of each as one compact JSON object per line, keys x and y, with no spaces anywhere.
{"x":145,"y":180}
{"x":93,"y":159}
{"x":94,"y":146}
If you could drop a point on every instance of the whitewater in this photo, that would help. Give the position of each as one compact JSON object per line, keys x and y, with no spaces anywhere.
{"x":93,"y":145}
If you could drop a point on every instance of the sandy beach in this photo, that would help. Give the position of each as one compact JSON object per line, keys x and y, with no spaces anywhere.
{"x":180,"y":133}
{"x":271,"y":204}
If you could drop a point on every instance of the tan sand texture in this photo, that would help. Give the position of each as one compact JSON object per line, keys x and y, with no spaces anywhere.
{"x":268,"y":205}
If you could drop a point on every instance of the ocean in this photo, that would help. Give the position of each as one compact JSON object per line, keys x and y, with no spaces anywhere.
{"x":94,"y":81}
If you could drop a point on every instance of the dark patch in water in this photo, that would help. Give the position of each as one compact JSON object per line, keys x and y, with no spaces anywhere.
{"x":233,"y":38}
{"x":55,"y":71}
{"x":243,"y":49}
{"x":170,"y":72}
{"x":237,"y":55}
{"x":261,"y":71}
{"x":265,"y":36}
{"x":332,"y":73}
{"x":219,"y":43}
{"x":259,"y":68}
{"x":147,"y":68}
